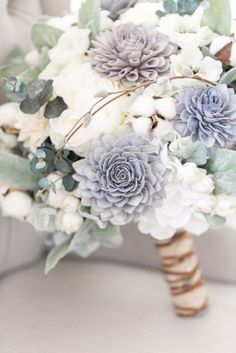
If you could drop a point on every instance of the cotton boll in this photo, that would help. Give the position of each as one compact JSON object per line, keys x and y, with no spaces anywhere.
{"x":16,"y":204}
{"x":142,"y":125}
{"x":166,"y":107}
{"x":225,"y":205}
{"x":163,"y":128}
{"x":142,"y":13}
{"x":70,"y":203}
{"x":68,"y":222}
{"x":143,"y":106}
{"x":206,"y":203}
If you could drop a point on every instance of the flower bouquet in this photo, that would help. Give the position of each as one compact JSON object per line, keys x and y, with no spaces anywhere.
{"x":124,"y":111}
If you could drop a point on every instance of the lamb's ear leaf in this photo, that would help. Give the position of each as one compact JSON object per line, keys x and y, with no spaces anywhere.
{"x":15,"y":172}
{"x":217,"y":16}
{"x":57,"y":253}
{"x":89,"y":16}
{"x":229,"y":76}
{"x":43,"y":35}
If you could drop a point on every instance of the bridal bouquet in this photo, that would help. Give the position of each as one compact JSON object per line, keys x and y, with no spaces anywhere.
{"x":124,"y":111}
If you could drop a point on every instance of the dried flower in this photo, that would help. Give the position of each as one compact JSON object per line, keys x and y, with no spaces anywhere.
{"x":120,"y":178}
{"x":207,"y":114}
{"x":131,"y":54}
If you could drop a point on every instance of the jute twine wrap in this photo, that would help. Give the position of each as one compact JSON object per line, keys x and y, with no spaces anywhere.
{"x":181,"y":268}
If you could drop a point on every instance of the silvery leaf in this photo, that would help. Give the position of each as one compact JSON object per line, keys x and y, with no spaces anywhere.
{"x":215,"y":221}
{"x":42,"y":218}
{"x":15,"y":172}
{"x":89,"y":16}
{"x":229,"y":76}
{"x":217,"y":16}
{"x":43,"y":35}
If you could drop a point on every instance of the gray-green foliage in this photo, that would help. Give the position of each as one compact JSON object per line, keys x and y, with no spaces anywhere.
{"x":89,"y":16}
{"x":222,"y":165}
{"x":215,"y":221}
{"x":229,"y":76}
{"x":15,"y":172}
{"x":43,"y":35}
{"x":217,"y":16}
{"x":84,"y":242}
{"x":182,"y":7}
{"x":42,"y":218}
{"x":189,"y":151}
{"x":14,"y":63}
{"x":54,"y":108}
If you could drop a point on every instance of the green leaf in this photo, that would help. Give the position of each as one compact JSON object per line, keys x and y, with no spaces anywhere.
{"x":189,"y":151}
{"x":14,"y":63}
{"x":69,"y":183}
{"x":222,"y":165}
{"x":187,"y":7}
{"x":89,"y":16}
{"x":42,"y":218}
{"x":64,"y":166}
{"x":215,"y":221}
{"x":43,"y":35}
{"x":14,"y":89}
{"x":57,"y":253}
{"x":15,"y":172}
{"x":54,"y":108}
{"x":170,"y":6}
{"x":229,"y":76}
{"x":110,"y":236}
{"x":217,"y":16}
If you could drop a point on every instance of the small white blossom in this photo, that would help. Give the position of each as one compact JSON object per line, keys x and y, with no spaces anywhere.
{"x":142,"y":13}
{"x":191,"y":59}
{"x":186,"y":30}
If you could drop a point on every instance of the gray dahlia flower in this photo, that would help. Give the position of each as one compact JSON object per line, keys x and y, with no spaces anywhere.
{"x":207,"y":114}
{"x":120,"y":178}
{"x":116,"y":7}
{"x":131,"y":54}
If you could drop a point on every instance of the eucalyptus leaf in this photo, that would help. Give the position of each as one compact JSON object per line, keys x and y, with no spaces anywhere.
{"x":29,"y":106}
{"x":217,"y":16}
{"x":43,"y":35}
{"x":54,"y":108}
{"x":14,"y":89}
{"x":170,"y":6}
{"x":222,"y":165}
{"x":215,"y":221}
{"x":89,"y":16}
{"x":69,"y":183}
{"x":64,"y":166}
{"x":187,"y":7}
{"x":229,"y":76}
{"x":15,"y":172}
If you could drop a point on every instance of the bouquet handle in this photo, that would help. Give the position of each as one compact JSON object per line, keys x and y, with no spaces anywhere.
{"x":181,"y":268}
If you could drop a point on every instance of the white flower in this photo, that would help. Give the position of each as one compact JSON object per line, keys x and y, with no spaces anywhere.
{"x":191,"y":61}
{"x":78,"y":86}
{"x":195,"y":178}
{"x":225,"y":205}
{"x":63,"y":23}
{"x":16,"y":204}
{"x":7,"y":120}
{"x":186,"y":30}
{"x":68,"y":222}
{"x":142,"y":13}
{"x":34,"y":128}
{"x":70,"y":47}
{"x":219,"y":43}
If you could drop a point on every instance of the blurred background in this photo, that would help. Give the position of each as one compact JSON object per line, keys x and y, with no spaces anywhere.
{"x":20,"y":245}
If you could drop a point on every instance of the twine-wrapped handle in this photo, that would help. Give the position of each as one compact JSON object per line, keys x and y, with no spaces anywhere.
{"x":182,"y":271}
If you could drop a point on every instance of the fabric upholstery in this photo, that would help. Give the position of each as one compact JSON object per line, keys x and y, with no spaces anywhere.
{"x":98,"y":307}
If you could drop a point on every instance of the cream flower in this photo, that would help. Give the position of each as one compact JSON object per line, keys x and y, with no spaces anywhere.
{"x":63,"y":23}
{"x":70,"y":47}
{"x":142,"y":13}
{"x":34,"y":128}
{"x":186,"y":30}
{"x":78,"y":86}
{"x":191,"y":61}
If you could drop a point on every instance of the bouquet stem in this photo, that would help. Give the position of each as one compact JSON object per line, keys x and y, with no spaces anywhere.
{"x":182,"y":271}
